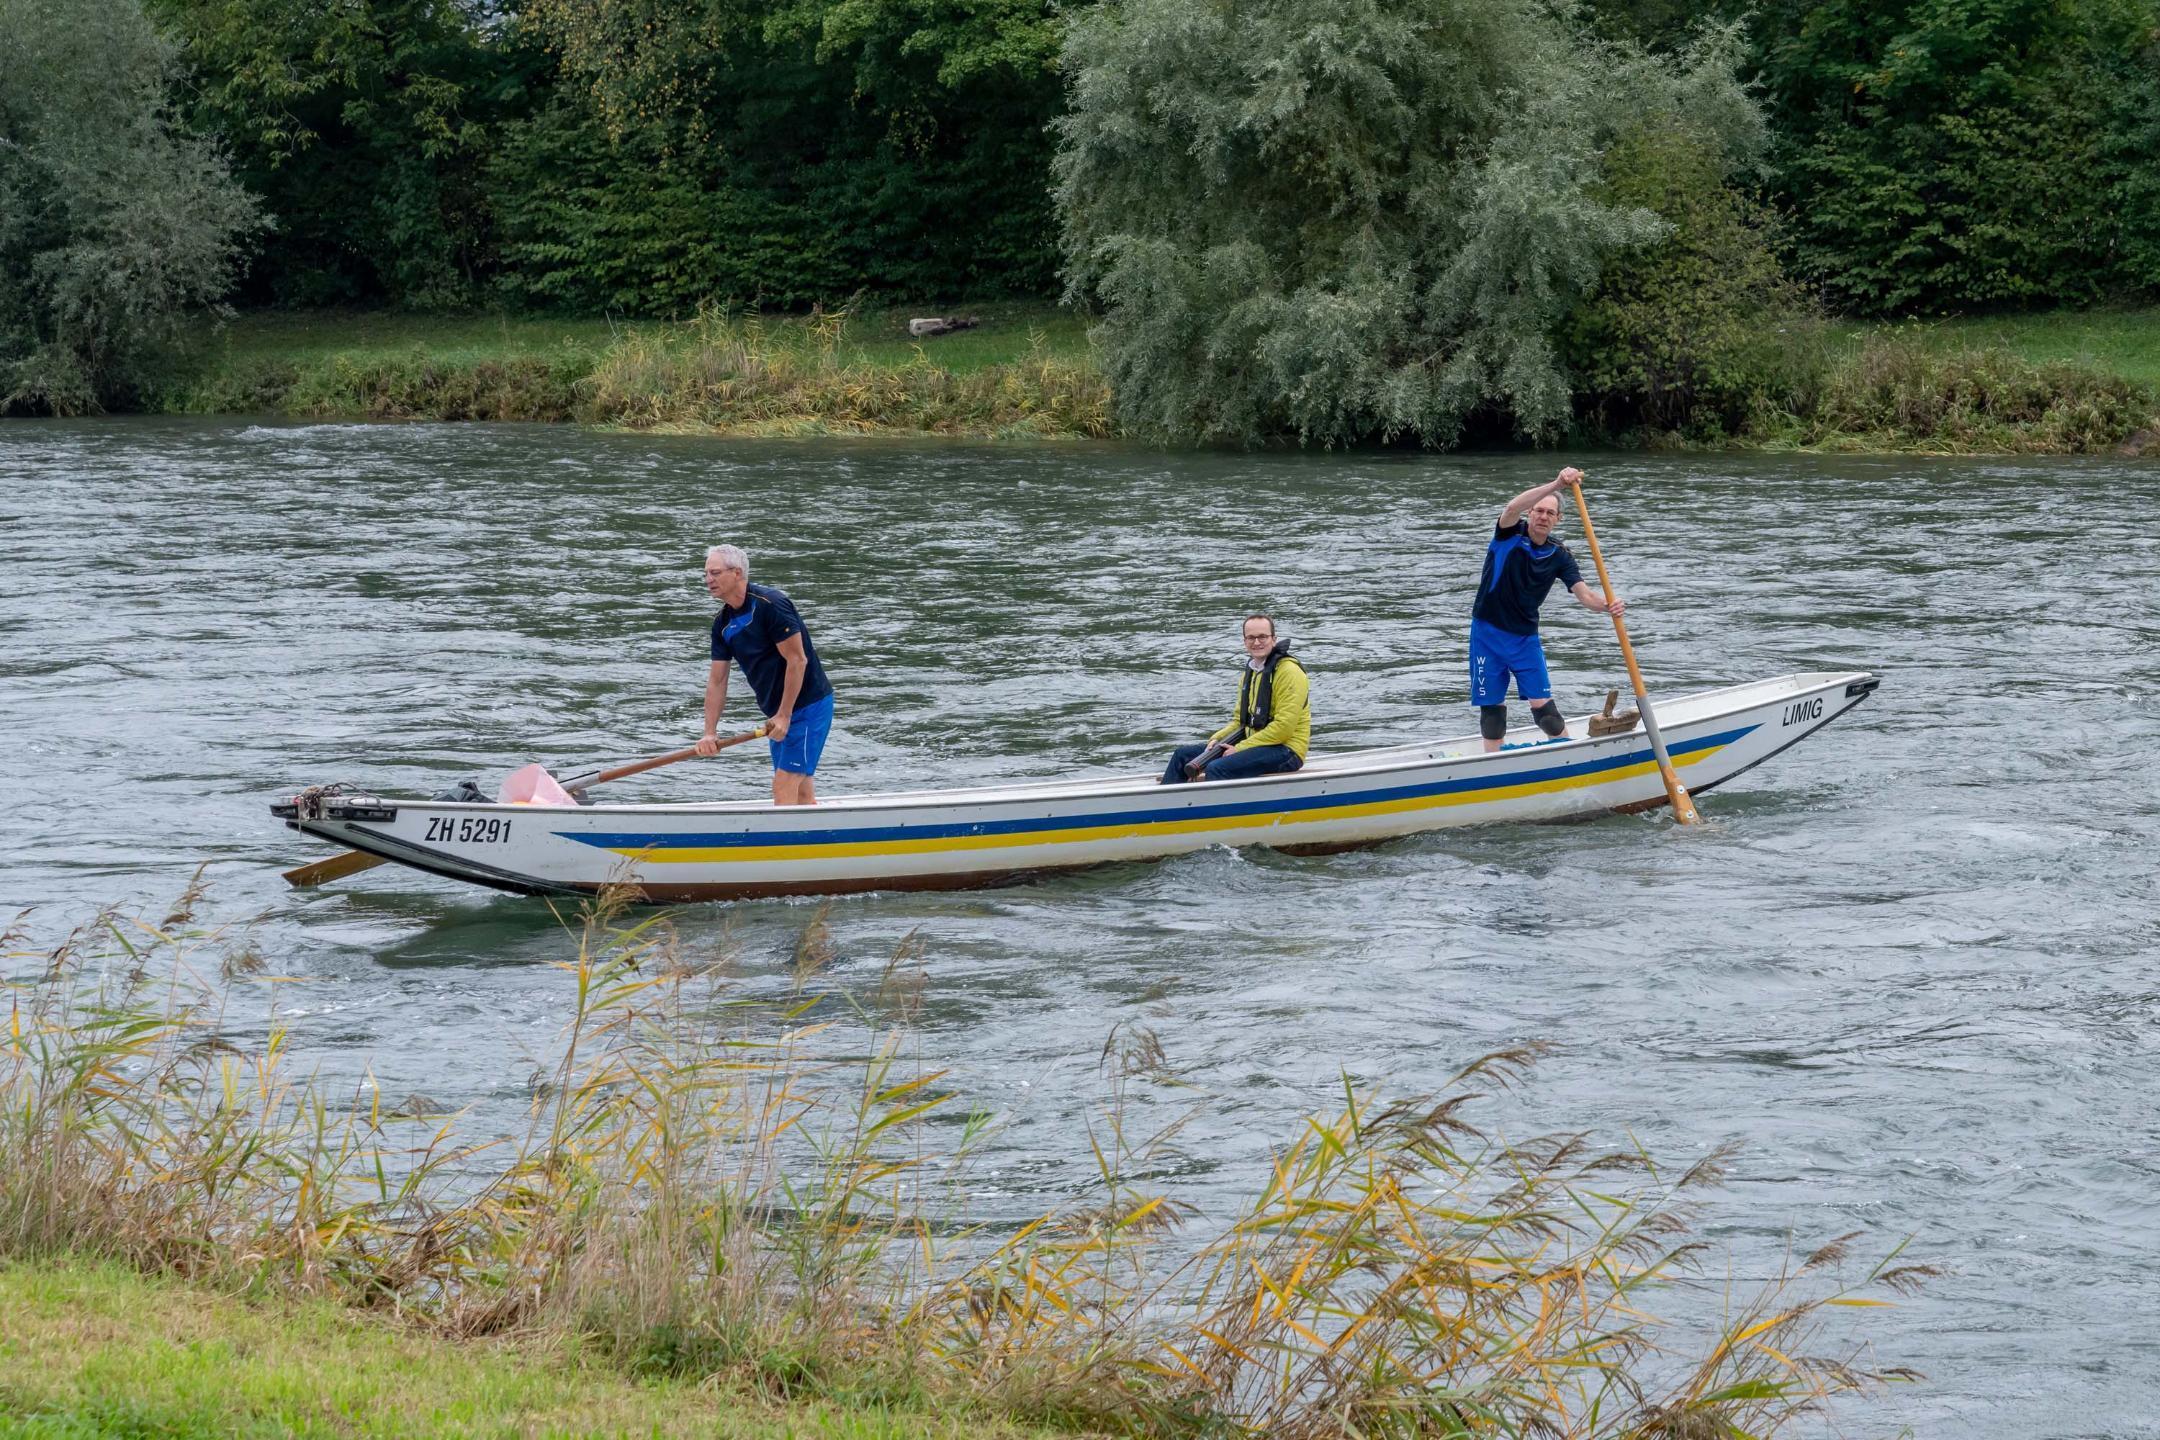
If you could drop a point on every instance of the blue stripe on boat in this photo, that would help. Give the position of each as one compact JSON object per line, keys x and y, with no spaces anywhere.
{"x":631,"y":840}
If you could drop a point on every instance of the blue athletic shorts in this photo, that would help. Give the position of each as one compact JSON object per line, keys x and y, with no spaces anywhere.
{"x":805,"y":741}
{"x":1496,"y":654}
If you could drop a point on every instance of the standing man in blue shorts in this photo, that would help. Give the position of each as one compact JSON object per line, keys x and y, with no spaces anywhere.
{"x":758,"y":628}
{"x":1521,"y":564}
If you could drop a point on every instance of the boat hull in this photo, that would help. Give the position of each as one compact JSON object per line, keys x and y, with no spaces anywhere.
{"x":968,"y":838}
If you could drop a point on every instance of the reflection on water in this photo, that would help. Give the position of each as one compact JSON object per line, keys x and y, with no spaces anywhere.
{"x":1908,"y":962}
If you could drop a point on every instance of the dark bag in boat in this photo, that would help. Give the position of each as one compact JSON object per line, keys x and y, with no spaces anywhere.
{"x":464,"y":792}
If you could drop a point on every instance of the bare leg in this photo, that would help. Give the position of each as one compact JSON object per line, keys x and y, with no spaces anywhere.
{"x":1535,"y":706}
{"x":1497,"y":741}
{"x":789,"y":788}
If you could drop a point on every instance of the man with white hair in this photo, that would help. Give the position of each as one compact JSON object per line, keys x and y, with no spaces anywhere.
{"x":759,"y":628}
{"x":1521,"y":564}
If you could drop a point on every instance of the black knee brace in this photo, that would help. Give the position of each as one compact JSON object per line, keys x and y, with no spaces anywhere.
{"x":1492,"y":721}
{"x":1549,"y":719}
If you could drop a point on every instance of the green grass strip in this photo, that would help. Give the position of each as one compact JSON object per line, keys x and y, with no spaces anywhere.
{"x":90,"y":1349}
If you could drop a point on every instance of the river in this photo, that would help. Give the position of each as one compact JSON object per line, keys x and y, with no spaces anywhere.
{"x":1909,"y":964}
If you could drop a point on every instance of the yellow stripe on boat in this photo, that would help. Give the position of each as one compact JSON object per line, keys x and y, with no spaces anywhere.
{"x":855,"y":849}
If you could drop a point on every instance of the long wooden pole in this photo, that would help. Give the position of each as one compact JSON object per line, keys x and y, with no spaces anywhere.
{"x":352,"y":862}
{"x":1683,"y":807}
{"x":581,"y":784}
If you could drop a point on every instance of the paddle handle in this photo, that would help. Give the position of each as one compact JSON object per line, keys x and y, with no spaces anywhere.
{"x":639,"y":767}
{"x":1683,"y":807}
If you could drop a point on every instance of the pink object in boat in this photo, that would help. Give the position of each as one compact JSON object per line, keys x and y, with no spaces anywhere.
{"x":532,"y":786}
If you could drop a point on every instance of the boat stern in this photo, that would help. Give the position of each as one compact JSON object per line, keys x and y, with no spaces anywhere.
{"x":482,"y":843}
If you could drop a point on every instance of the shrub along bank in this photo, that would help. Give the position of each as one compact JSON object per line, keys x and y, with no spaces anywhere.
{"x":1893,"y":393}
{"x":2065,"y":383}
{"x":1025,"y":371}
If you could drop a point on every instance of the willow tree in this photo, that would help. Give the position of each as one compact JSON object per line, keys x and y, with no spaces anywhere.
{"x":114,"y":222}
{"x":1342,"y":219}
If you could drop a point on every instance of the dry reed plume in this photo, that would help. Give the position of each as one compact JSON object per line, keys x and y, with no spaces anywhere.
{"x":698,"y":1190}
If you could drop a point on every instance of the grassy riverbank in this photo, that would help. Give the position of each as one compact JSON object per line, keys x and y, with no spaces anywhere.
{"x":2058,"y":383}
{"x":2120,"y":343}
{"x":94,"y":1348}
{"x":1933,"y":390}
{"x":709,"y":1201}
{"x":1024,"y":371}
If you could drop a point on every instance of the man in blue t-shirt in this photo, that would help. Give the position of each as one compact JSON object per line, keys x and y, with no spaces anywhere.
{"x":1521,"y":564}
{"x":759,"y":629}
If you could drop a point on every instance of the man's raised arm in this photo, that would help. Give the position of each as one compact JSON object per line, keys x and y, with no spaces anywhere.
{"x":1518,"y":507}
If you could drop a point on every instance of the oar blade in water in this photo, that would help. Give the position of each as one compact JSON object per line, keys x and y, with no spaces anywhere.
{"x":337,"y":867}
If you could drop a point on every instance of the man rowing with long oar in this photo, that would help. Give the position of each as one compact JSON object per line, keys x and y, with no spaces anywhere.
{"x":1521,"y":564}
{"x":759,"y":628}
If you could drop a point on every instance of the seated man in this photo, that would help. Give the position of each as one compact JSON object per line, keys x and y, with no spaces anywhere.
{"x":1274,"y":718}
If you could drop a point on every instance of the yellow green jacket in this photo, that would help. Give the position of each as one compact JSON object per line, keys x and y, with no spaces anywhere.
{"x":1286,"y":717}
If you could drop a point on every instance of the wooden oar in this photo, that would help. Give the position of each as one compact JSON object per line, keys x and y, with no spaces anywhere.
{"x":337,"y":867}
{"x":1683,"y":807}
{"x":352,"y":862}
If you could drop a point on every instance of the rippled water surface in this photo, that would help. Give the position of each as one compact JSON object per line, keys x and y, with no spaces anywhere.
{"x":1910,"y":964}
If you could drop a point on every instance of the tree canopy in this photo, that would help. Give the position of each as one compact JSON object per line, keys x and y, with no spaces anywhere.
{"x":1371,"y":218}
{"x":1342,"y":220}
{"x":1947,"y":155}
{"x":784,"y":152}
{"x":114,"y":222}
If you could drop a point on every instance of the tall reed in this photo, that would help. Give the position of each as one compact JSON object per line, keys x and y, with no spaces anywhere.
{"x":700,"y":1187}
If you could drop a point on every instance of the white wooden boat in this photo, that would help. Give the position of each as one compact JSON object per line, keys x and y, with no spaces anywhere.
{"x":949,"y":839}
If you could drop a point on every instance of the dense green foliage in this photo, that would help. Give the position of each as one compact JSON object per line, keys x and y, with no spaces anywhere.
{"x":590,"y":155}
{"x":1941,"y":156}
{"x":782,"y":153}
{"x":1391,"y":217}
{"x":590,"y":222}
{"x":113,"y":224}
{"x":1349,"y":222}
{"x":1700,"y":330}
{"x":1951,"y":155}
{"x":365,"y":128}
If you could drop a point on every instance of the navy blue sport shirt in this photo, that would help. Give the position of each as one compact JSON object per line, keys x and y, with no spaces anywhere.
{"x":1517,"y":576}
{"x":751,"y":637}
